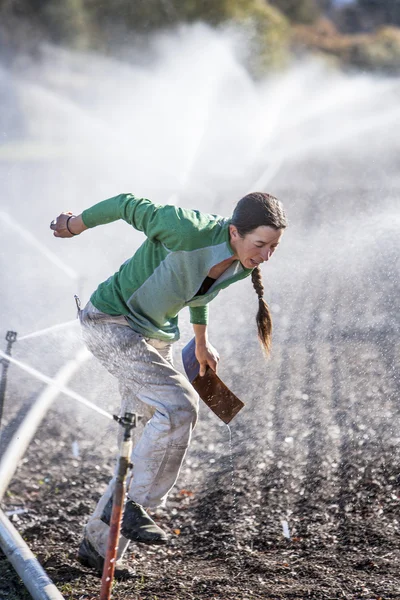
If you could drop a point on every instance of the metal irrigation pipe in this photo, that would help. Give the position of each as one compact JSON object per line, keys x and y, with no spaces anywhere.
{"x":24,"y":434}
{"x":128,"y":422}
{"x":13,"y":546}
{"x":28,"y":568}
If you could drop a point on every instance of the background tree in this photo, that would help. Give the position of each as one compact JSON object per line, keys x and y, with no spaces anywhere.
{"x":300,"y":11}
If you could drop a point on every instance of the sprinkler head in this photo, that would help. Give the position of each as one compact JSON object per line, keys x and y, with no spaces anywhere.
{"x":128,"y":421}
{"x":11,"y":336}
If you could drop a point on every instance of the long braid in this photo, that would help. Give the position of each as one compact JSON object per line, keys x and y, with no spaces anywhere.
{"x":255,"y":210}
{"x":263,"y":318}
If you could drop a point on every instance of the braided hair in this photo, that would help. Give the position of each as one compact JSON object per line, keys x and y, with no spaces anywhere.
{"x":252,"y":211}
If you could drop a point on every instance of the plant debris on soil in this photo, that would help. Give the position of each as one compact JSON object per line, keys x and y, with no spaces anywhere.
{"x":339,"y":501}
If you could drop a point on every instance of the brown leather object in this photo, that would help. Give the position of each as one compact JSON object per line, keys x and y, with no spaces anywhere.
{"x":217,"y":396}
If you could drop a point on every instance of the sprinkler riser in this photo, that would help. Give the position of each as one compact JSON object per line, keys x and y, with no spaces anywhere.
{"x":128,"y":422}
{"x":11,"y":337}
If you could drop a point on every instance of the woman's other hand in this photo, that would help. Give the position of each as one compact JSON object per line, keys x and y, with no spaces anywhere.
{"x":207,"y":355}
{"x":66,"y":225}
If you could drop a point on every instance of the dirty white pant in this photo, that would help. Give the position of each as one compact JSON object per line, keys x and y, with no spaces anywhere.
{"x":151,"y":386}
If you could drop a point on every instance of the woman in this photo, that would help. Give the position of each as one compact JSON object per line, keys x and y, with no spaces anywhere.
{"x":131,"y":321}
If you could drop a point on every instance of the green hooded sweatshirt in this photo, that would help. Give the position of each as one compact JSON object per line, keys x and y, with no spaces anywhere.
{"x":166,"y":272}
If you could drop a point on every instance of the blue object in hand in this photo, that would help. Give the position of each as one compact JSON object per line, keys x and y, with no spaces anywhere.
{"x":210,"y":388}
{"x":190,"y":362}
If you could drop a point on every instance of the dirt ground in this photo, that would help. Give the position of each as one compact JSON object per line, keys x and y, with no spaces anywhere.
{"x":315,"y":453}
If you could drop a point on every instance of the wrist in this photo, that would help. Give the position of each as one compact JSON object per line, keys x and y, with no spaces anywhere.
{"x":201,"y":343}
{"x":200,"y":334}
{"x":69,"y":225}
{"x":76,"y":224}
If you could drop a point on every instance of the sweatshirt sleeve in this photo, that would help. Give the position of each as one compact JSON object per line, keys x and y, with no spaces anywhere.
{"x":138,"y":212}
{"x":178,"y":228}
{"x":199,"y":315}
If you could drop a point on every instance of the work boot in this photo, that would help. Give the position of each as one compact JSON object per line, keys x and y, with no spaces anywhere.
{"x":137,"y":525}
{"x":89,"y":557}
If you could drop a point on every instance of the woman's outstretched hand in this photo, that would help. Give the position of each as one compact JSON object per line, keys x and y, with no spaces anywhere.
{"x":67,"y":225}
{"x":207,"y":356}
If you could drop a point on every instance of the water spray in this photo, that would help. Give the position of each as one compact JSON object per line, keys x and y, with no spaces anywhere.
{"x":128,"y":422}
{"x":61,"y":388}
{"x":26,"y":431}
{"x":53,"y":328}
{"x":11,"y":337}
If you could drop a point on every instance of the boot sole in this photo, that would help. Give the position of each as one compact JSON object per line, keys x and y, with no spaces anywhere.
{"x":148,"y":542}
{"x":119,"y":574}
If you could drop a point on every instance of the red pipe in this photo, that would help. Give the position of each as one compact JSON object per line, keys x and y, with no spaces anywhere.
{"x":128,"y":422}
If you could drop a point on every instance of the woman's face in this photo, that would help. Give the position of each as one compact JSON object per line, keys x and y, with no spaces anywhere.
{"x":255,"y":247}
